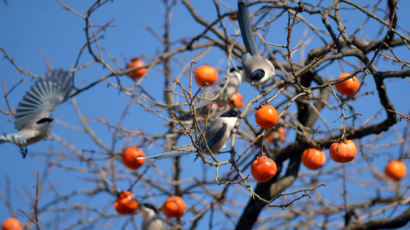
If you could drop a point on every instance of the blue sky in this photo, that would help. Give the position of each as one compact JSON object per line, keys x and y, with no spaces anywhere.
{"x":37,"y":30}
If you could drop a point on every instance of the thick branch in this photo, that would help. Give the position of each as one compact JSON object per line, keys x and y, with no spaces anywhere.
{"x":382,"y":223}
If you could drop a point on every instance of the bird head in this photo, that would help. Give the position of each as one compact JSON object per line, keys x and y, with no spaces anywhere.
{"x":149,"y":207}
{"x":230,"y":113}
{"x":257,"y":75}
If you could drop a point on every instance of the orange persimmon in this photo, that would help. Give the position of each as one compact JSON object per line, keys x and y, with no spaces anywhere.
{"x":11,"y":224}
{"x":266,"y":116}
{"x":236,"y":100}
{"x":313,"y":158}
{"x":206,"y":75}
{"x":134,"y":63}
{"x":126,"y":203}
{"x":343,"y":152}
{"x":263,"y":169}
{"x":395,"y":170}
{"x":348,"y":87}
{"x":174,"y":206}
{"x":277,"y":135}
{"x":129,"y":157}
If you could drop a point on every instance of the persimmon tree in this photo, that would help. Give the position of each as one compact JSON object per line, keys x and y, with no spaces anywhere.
{"x":310,"y":44}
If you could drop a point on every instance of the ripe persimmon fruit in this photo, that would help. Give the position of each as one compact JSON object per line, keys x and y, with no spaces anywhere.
{"x":263,"y":169}
{"x":313,"y":158}
{"x":129,"y":157}
{"x":277,"y":135}
{"x":134,"y":63}
{"x":343,"y":152}
{"x":266,"y":116}
{"x":395,"y":170}
{"x":236,"y":100}
{"x":126,"y":203}
{"x":206,"y":75}
{"x":348,"y":87}
{"x":11,"y":224}
{"x":174,"y":206}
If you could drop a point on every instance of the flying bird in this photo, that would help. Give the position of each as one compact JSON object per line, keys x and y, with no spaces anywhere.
{"x":217,"y":134}
{"x":32,"y":118}
{"x":257,"y":69}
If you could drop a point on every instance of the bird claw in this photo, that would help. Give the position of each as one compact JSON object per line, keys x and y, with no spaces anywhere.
{"x":232,"y":151}
{"x":261,"y":90}
{"x":23,"y":151}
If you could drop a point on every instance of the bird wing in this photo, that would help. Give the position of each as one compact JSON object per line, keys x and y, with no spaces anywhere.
{"x":43,"y":97}
{"x":246,"y":29}
{"x":214,"y":133}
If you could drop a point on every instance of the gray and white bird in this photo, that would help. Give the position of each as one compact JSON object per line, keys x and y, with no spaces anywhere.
{"x":228,"y":86}
{"x":32,"y":118}
{"x":220,"y":94}
{"x":257,"y":69}
{"x":151,"y":220}
{"x":217,"y":134}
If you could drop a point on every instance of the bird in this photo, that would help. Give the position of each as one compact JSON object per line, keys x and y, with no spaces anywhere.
{"x":216,"y":135}
{"x":228,"y":86}
{"x":219,"y":94}
{"x":257,"y":69}
{"x":32,"y":118}
{"x":151,"y":220}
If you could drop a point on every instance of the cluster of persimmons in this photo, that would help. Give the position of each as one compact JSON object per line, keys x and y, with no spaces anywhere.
{"x":266,"y":116}
{"x":263,"y":168}
{"x":126,"y":202}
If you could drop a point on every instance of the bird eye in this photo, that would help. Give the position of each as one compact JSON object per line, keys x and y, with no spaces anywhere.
{"x":257,"y":75}
{"x":230,"y":113}
{"x":233,"y":69}
{"x":44,"y":120}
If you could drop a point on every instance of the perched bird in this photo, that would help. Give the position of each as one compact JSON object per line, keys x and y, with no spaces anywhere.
{"x":228,"y":86}
{"x":218,"y":95}
{"x":151,"y":221}
{"x":32,"y":118}
{"x":216,"y":135}
{"x":257,"y":70}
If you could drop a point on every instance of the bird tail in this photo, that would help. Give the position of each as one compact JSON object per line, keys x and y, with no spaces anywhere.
{"x":5,"y":138}
{"x":174,"y":153}
{"x":246,"y":28}
{"x":12,"y":137}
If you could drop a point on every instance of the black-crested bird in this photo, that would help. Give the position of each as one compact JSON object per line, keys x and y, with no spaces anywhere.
{"x":151,"y":220}
{"x":257,"y":69}
{"x":32,"y":118}
{"x":217,"y":134}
